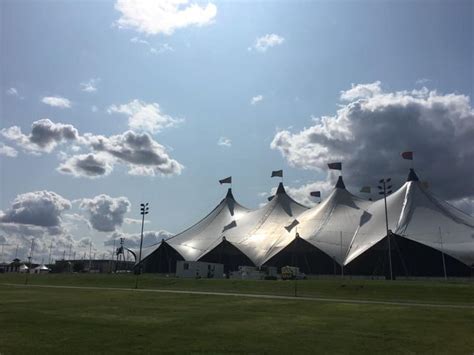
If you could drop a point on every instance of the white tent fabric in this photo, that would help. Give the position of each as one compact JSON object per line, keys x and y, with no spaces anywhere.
{"x":330,"y":225}
{"x":260,"y":234}
{"x":414,"y":213}
{"x":208,"y":232}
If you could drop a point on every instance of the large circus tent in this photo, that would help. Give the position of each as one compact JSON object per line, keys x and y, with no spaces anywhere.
{"x":343,"y":234}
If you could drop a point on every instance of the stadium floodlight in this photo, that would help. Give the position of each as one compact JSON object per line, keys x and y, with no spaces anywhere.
{"x":387,"y":190}
{"x":144,"y":210}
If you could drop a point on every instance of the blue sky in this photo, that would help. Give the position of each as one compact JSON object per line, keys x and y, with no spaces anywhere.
{"x":205,"y":76}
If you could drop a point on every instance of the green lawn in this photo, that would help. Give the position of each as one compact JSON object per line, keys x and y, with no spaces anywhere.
{"x":44,"y":320}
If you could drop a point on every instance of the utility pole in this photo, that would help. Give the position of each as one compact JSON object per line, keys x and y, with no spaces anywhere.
{"x":29,"y":260}
{"x":342,"y":257}
{"x":143,"y":211}
{"x":50,"y":250}
{"x":385,"y":190}
{"x":442,"y":254}
{"x":90,"y":256}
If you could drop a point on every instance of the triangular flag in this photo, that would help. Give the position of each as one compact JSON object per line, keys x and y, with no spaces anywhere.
{"x":407,"y":155}
{"x":315,"y":193}
{"x":292,"y":225}
{"x":278,"y":173}
{"x":335,"y":166}
{"x":227,"y":180}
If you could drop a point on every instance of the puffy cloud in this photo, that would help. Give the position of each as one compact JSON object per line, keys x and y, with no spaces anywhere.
{"x":106,"y":213}
{"x":87,"y":165}
{"x":38,"y":208}
{"x":163,"y":17}
{"x":361,"y":91}
{"x":256,"y":99}
{"x":224,"y":142}
{"x":368,"y":134}
{"x":132,"y":241}
{"x":145,"y":117}
{"x":56,"y":101}
{"x":45,"y":135}
{"x":144,"y":155}
{"x":7,"y":151}
{"x":267,"y":41}
{"x":90,"y":85}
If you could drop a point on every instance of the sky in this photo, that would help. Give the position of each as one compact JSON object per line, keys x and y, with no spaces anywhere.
{"x":105,"y":105}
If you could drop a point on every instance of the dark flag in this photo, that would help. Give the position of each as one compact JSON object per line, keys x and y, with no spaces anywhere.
{"x":278,"y":173}
{"x":292,"y":225}
{"x":229,"y":226}
{"x":407,"y":155}
{"x":315,"y":193}
{"x":269,"y":198}
{"x":227,"y":180}
{"x":335,"y":166}
{"x":365,"y":189}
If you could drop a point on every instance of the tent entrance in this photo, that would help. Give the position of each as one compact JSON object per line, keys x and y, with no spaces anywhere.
{"x":409,"y":259}
{"x":229,"y":255}
{"x":162,"y":260}
{"x":310,"y":259}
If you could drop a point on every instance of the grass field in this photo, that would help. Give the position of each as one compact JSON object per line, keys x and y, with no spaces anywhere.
{"x":46,"y":320}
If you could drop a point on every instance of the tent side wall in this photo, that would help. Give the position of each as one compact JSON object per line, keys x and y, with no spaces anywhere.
{"x":229,"y":255}
{"x":409,"y":258}
{"x":162,"y":260}
{"x":307,"y":257}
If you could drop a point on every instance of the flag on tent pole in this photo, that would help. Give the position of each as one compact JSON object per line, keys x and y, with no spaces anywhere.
{"x":269,"y":198}
{"x":315,"y":193}
{"x":292,"y":225}
{"x":335,"y":166}
{"x":407,"y":155}
{"x":227,"y":180}
{"x":278,"y":173}
{"x":365,"y":189}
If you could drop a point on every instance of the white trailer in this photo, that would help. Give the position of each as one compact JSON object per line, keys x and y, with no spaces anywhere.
{"x":199,"y":269}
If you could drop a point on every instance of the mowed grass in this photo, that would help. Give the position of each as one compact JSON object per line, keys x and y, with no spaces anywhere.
{"x":362,"y":289}
{"x":80,"y":321}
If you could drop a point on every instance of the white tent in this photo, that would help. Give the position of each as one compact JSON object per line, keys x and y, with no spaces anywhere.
{"x":41,"y":269}
{"x":203,"y":236}
{"x":261,"y":233}
{"x":416,"y":214}
{"x":330,"y":225}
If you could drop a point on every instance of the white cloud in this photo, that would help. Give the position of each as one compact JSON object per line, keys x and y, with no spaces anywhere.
{"x":38,"y":208}
{"x":106,"y":213}
{"x":7,"y":151}
{"x":267,"y":41}
{"x":162,"y":17}
{"x":56,"y":101}
{"x":44,"y":137}
{"x":422,"y":81}
{"x":132,"y":241}
{"x":224,"y":142}
{"x":256,"y":99}
{"x":139,"y":151}
{"x":94,"y":108}
{"x":368,"y":134}
{"x":361,"y":91}
{"x":162,"y":48}
{"x":145,"y":117}
{"x":90,"y":85}
{"x":12,"y":92}
{"x":144,"y":155}
{"x":87,"y":165}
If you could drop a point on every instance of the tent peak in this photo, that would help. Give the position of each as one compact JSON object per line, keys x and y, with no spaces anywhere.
{"x":281,"y":189}
{"x":229,"y":194}
{"x":412,"y":175}
{"x":340,"y":183}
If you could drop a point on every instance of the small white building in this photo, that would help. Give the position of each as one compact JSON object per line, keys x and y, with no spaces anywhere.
{"x":199,"y":269}
{"x":40,"y":269}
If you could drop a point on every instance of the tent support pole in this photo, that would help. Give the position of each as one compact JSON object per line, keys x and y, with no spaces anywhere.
{"x":442,"y":254}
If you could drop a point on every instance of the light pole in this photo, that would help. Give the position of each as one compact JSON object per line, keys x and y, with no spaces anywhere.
{"x":143,"y":211}
{"x":385,"y":190}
